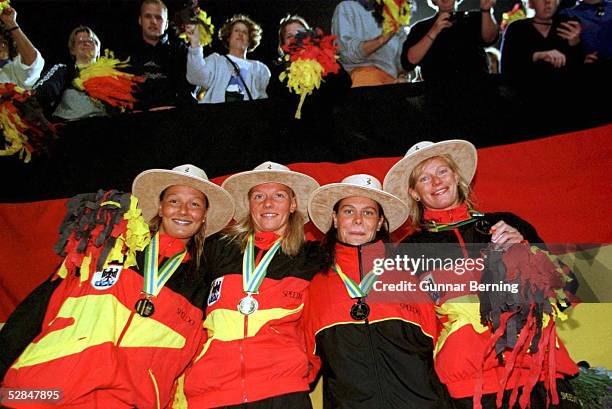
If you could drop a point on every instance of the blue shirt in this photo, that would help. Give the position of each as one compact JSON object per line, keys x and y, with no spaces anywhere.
{"x":596,"y":22}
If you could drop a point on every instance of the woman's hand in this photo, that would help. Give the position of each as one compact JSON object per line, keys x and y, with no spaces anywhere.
{"x":591,"y":58}
{"x":570,"y":31}
{"x":554,"y":57}
{"x":9,"y":18}
{"x":442,"y":22}
{"x":502,"y":233}
{"x":193,"y":34}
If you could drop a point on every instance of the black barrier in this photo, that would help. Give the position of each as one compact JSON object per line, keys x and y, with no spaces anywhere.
{"x":356,"y":123}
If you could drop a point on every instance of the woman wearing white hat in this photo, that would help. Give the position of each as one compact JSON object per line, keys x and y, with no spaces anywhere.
{"x":259,"y":273}
{"x":121,"y":336}
{"x":374,"y":353}
{"x":434,"y":179}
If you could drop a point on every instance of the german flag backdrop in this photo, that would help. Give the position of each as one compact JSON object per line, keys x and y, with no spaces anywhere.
{"x":560,"y":183}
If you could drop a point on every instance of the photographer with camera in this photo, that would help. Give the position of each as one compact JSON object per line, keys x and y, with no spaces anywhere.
{"x":450,"y":45}
{"x":545,"y":47}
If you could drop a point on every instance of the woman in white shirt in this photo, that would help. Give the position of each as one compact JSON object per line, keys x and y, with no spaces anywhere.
{"x":231,"y":77}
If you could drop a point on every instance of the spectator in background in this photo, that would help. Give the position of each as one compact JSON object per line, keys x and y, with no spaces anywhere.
{"x":231,"y":77}
{"x":450,"y":45}
{"x":20,"y":62}
{"x":289,"y":26}
{"x":333,"y":88}
{"x":55,"y":90}
{"x":159,"y":59}
{"x":368,"y":55}
{"x":541,"y":48}
{"x":493,"y":58}
{"x":596,"y":36}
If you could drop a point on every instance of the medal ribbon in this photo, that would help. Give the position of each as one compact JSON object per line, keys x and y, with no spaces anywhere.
{"x":252,"y":275}
{"x":436,"y":227}
{"x":154,"y":278}
{"x":356,"y":290}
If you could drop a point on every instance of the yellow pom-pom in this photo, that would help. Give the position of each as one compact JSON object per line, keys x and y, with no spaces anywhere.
{"x":206,"y":29}
{"x":105,"y":66}
{"x":303,"y":76}
{"x":4,"y":4}
{"x":15,"y":139}
{"x":396,"y":13}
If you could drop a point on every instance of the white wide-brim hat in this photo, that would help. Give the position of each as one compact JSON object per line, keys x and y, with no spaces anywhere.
{"x":149,"y":185}
{"x":462,"y":152}
{"x":240,"y":184}
{"x":323,"y":200}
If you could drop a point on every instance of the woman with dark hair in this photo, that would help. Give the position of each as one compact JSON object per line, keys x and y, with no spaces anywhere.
{"x":120,"y":335}
{"x":434,"y":179}
{"x":55,"y":91}
{"x":231,"y":77}
{"x":545,"y":48}
{"x":373,"y":352}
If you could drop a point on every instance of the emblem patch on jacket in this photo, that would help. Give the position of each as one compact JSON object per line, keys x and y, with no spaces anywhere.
{"x":106,"y":278}
{"x":215,"y":291}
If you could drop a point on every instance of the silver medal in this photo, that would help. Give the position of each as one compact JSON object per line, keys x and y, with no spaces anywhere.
{"x":248,"y":305}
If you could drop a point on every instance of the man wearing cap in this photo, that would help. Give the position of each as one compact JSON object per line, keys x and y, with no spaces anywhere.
{"x":120,"y":335}
{"x":22,"y":67}
{"x":258,"y":272}
{"x":375,"y":347}
{"x":478,"y":370}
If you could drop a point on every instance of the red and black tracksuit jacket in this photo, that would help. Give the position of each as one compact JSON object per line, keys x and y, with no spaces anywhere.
{"x":382,"y":362}
{"x":463,"y":340}
{"x":84,"y":337}
{"x":248,"y":358}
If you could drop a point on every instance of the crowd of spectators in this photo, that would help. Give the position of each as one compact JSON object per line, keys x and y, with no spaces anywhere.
{"x":451,"y":45}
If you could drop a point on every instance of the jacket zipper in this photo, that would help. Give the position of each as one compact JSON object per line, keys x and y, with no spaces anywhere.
{"x":157,"y":404}
{"x":371,"y":343}
{"x":245,"y":397}
{"x":125,"y":328}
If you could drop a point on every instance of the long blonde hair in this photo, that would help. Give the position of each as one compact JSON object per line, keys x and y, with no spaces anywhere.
{"x":292,"y":241}
{"x":464,"y":190}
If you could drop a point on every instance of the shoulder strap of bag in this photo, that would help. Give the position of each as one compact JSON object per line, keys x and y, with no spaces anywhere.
{"x":237,"y":70}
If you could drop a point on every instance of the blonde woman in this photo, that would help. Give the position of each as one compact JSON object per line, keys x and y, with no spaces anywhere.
{"x":259,"y":272}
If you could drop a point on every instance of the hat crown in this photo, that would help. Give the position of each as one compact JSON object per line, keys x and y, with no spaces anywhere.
{"x":418,"y":146}
{"x":363,"y":180}
{"x":268,"y":165}
{"x":191,"y":170}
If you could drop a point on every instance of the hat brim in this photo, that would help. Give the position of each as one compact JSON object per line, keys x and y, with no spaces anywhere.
{"x":148,"y":186}
{"x":240,"y":184}
{"x":324,"y":199}
{"x":463,"y":153}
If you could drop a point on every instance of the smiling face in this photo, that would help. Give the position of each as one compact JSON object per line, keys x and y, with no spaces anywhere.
{"x":437,"y":185}
{"x":357,"y":220}
{"x":85,"y":49}
{"x":270,"y":205}
{"x":183,"y":211}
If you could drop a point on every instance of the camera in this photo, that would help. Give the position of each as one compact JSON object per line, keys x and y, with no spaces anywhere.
{"x":458,"y":15}
{"x":562,"y":18}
